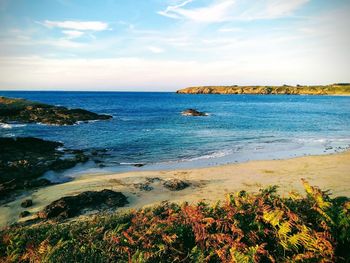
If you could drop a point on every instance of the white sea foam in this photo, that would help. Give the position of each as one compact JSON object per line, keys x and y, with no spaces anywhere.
{"x":5,"y":126}
{"x":213,"y":155}
{"x":123,"y":163}
{"x":322,"y":140}
{"x":82,"y":122}
{"x":45,"y":124}
{"x":10,"y":126}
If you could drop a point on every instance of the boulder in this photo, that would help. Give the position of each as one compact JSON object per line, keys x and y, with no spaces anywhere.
{"x":24,"y":159}
{"x":193,"y":112}
{"x":27,"y":203}
{"x":175,"y":184}
{"x":24,"y":214}
{"x":71,"y":206}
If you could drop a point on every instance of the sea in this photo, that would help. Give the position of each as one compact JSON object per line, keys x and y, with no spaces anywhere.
{"x":148,"y":128}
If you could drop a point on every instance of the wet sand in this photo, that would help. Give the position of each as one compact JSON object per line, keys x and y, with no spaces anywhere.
{"x":209,"y":184}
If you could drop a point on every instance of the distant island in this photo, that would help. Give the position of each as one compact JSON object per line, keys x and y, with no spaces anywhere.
{"x":333,"y":89}
{"x":26,"y":111}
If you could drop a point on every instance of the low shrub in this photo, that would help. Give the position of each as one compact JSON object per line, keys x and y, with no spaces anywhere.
{"x":262,"y":227}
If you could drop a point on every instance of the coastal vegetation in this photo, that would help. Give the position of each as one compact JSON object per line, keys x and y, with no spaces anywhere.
{"x":25,"y":111}
{"x":333,"y":89}
{"x":260,"y":227}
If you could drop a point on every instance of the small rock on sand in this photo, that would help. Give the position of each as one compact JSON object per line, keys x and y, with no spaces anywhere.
{"x":175,"y":184}
{"x":24,"y":214}
{"x":70,"y":206}
{"x":27,"y":203}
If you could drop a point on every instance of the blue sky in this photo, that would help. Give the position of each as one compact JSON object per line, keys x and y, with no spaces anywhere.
{"x":163,"y":45}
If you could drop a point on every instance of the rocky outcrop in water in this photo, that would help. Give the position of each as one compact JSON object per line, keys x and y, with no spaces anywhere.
{"x":193,"y":112}
{"x":25,"y":111}
{"x":71,"y":206}
{"x":333,"y":89}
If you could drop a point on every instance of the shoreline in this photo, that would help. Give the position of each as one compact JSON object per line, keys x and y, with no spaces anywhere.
{"x":210,"y":184}
{"x":219,"y":158}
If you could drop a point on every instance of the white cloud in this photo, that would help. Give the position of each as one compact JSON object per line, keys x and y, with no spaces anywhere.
{"x":230,"y":29}
{"x":61,"y":43}
{"x":77,"y":25}
{"x":131,"y":73}
{"x":170,"y":11}
{"x":156,"y":50}
{"x":281,"y":8}
{"x":72,"y":33}
{"x":271,"y":9}
{"x":229,"y":10}
{"x":216,"y":12}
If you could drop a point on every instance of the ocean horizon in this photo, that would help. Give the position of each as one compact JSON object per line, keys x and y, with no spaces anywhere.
{"x":147,"y":128}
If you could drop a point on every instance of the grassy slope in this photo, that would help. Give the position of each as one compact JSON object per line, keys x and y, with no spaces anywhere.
{"x":12,"y":104}
{"x":334,"y":89}
{"x":246,"y":228}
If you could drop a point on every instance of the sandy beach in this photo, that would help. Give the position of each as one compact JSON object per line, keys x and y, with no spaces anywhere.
{"x":209,"y":184}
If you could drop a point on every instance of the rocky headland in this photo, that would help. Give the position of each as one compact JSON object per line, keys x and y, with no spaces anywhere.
{"x":333,"y":89}
{"x":25,"y":111}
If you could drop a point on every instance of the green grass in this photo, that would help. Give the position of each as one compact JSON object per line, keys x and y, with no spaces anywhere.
{"x":262,"y":227}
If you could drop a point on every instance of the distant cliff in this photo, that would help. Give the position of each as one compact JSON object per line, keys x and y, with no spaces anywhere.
{"x":333,"y":89}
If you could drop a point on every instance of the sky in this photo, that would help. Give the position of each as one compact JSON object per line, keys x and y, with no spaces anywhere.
{"x":165,"y":45}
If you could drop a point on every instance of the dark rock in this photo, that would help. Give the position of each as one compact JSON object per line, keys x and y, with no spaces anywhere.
{"x":25,"y":111}
{"x":139,"y":165}
{"x":193,"y":112}
{"x":175,"y":184}
{"x":27,"y":203}
{"x":24,"y":214}
{"x":62,"y":164}
{"x":70,"y":206}
{"x":37,"y":183}
{"x":77,"y":151}
{"x":24,"y":159}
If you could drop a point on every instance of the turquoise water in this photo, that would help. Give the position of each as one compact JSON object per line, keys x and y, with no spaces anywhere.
{"x":148,"y":127}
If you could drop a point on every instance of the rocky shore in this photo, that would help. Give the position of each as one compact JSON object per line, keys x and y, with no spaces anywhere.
{"x":25,"y":111}
{"x":24,"y":160}
{"x":333,"y":89}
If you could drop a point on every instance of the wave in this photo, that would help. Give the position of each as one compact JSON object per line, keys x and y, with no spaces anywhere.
{"x":89,"y":121}
{"x":10,"y":126}
{"x":125,"y":163}
{"x":5,"y":126}
{"x":217,"y":154}
{"x":322,"y":140}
